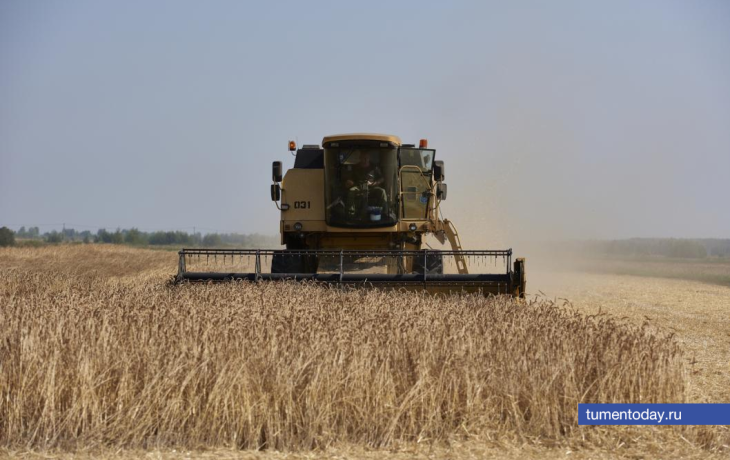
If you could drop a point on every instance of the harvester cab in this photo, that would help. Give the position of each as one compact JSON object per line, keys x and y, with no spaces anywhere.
{"x":357,"y":210}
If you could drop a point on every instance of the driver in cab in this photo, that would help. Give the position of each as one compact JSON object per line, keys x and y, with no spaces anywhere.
{"x":363,"y":184}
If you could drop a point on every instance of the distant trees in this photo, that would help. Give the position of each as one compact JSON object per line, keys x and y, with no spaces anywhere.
{"x":53,"y":237}
{"x":212,"y":239}
{"x":137,"y":237}
{"x":716,"y":247}
{"x":117,"y":237}
{"x":170,"y":238}
{"x":134,"y":237}
{"x":7,"y":237}
{"x":686,"y":248}
{"x":102,"y":236}
{"x":32,"y":232}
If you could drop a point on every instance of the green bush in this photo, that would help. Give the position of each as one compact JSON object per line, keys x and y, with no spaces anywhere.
{"x":212,"y":239}
{"x":7,"y":237}
{"x":54,"y":237}
{"x":134,"y":236}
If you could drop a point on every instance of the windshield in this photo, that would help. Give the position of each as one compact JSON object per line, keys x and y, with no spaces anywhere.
{"x":361,"y":184}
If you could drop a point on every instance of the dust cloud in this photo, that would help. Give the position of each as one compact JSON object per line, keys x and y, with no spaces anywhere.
{"x":593,"y":139}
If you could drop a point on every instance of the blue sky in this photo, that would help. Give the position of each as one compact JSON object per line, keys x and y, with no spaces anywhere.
{"x":555,"y":119}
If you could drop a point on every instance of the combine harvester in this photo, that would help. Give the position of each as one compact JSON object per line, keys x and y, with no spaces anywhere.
{"x":356,"y":211}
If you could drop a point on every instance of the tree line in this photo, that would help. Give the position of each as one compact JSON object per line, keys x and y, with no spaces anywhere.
{"x":688,"y":248}
{"x":136,"y":237}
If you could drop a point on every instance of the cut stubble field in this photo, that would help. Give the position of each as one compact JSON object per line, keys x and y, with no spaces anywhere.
{"x":100,"y":354}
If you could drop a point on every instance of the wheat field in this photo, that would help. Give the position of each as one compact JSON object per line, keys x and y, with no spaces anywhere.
{"x":99,"y":350}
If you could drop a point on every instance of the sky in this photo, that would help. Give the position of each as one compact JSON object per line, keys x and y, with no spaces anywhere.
{"x":564,"y":119}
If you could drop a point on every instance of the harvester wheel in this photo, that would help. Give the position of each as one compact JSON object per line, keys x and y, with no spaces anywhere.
{"x":311,"y":263}
{"x":434,"y":263}
{"x":520,"y":278}
{"x":285,"y":262}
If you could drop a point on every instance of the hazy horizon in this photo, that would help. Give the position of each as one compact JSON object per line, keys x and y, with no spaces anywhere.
{"x":555,"y":120}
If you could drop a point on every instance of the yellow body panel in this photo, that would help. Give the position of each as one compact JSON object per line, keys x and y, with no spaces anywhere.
{"x":303,"y":191}
{"x":414,"y":202}
{"x":362,"y":137}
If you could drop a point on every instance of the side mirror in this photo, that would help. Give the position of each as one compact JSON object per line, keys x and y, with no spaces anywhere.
{"x":441,"y":191}
{"x":438,"y":171}
{"x":275,"y":192}
{"x":276,"y":171}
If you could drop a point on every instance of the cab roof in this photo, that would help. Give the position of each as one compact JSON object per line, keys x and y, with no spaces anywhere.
{"x":362,"y":137}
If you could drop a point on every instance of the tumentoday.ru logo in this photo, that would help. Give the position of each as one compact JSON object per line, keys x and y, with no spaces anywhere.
{"x":654,"y":414}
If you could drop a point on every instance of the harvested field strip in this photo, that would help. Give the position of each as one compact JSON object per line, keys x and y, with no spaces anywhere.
{"x":708,"y":271}
{"x":131,"y":362}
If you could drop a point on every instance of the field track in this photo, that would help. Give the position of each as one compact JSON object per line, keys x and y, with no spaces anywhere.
{"x":699,"y":313}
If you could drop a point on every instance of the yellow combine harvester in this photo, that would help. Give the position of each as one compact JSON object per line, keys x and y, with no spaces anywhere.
{"x":356,"y":211}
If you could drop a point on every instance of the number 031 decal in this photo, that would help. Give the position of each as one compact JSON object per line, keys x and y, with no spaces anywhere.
{"x":302,"y":204}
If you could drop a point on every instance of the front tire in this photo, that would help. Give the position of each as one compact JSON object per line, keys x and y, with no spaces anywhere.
{"x":291,"y":262}
{"x":285,"y":262}
{"x":434,"y":263}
